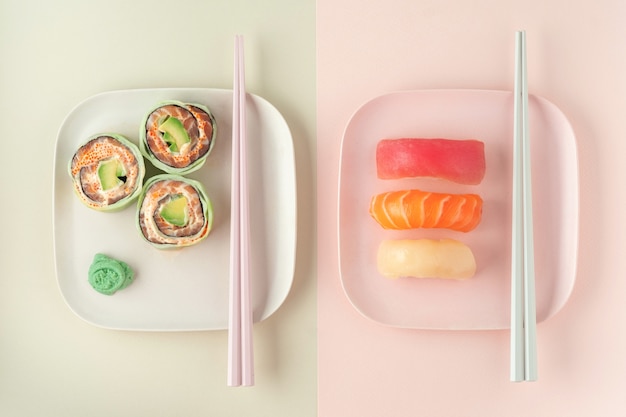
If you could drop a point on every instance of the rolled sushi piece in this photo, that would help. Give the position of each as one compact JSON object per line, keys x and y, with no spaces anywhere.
{"x":177,"y":137}
{"x":174,"y":211}
{"x":107,"y":172}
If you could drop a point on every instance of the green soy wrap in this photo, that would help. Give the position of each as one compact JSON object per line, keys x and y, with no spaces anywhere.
{"x":108,"y":275}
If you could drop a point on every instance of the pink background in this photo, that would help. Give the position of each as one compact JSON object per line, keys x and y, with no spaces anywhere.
{"x":577,"y":60}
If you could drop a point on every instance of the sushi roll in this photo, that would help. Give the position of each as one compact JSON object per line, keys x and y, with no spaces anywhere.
{"x":107,"y":172}
{"x":177,"y":137}
{"x":173,"y":212}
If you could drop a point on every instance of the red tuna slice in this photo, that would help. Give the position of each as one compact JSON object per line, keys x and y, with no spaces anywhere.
{"x":461,"y":161}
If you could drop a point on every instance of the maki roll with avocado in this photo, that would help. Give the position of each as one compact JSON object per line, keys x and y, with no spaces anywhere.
{"x":174,"y":211}
{"x":177,"y":137}
{"x":107,"y":172}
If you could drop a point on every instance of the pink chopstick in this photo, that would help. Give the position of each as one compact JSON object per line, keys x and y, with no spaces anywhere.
{"x":240,"y":318}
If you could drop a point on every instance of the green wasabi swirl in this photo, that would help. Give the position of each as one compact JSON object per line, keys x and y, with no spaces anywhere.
{"x":108,"y":275}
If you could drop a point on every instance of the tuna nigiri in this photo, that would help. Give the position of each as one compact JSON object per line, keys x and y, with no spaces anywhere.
{"x":425,"y":258}
{"x":410,"y":209}
{"x":460,"y":161}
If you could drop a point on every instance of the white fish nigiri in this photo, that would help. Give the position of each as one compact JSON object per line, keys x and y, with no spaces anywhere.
{"x":425,"y":258}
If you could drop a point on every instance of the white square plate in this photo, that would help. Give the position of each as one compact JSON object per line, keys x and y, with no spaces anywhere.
{"x":185,"y":289}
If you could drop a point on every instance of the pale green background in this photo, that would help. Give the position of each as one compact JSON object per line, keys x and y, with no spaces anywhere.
{"x":54,"y":54}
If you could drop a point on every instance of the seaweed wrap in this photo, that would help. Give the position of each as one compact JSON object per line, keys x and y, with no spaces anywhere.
{"x":177,"y":137}
{"x":107,"y":172}
{"x":174,"y":211}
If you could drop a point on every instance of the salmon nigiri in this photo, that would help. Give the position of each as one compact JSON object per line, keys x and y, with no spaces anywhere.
{"x":411,"y":209}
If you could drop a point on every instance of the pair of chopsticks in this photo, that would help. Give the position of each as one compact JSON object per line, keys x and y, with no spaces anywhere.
{"x":240,"y":319}
{"x":523,"y":311}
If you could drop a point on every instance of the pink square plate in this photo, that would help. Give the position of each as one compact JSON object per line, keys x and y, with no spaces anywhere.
{"x":483,"y":301}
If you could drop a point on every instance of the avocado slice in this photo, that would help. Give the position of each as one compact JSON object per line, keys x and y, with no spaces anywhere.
{"x":175,"y":211}
{"x":174,"y":133}
{"x":111,"y":173}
